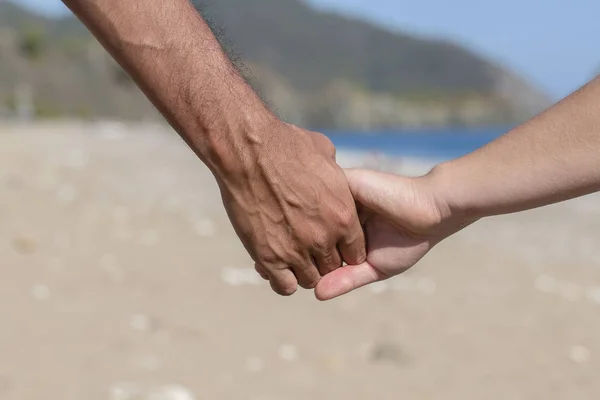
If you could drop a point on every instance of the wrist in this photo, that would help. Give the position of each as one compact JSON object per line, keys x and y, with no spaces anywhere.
{"x":234,"y":148}
{"x":454,"y":200}
{"x":228,"y":135}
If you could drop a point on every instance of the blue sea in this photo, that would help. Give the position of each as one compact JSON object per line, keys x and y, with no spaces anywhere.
{"x":441,"y":144}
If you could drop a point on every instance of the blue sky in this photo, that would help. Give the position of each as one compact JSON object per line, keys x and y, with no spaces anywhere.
{"x":551,"y":42}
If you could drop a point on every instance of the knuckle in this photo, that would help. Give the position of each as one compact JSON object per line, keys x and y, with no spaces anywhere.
{"x":275,"y":256}
{"x":294,"y":258}
{"x":308,"y":276}
{"x":287,"y":289}
{"x":321,"y":242}
{"x":354,"y":239}
{"x":329,"y":147}
{"x":303,"y":267}
{"x":326,"y":141}
{"x":260,"y":270}
{"x":323,"y":141}
{"x":346,"y":219}
{"x":288,"y":253}
{"x":322,"y":249}
{"x":328,"y":258}
{"x":268,"y":258}
{"x":311,"y":283}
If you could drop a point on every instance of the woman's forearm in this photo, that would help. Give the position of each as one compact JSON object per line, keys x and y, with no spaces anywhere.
{"x":552,"y":158}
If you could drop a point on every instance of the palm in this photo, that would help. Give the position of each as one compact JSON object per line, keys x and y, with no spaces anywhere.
{"x":393,"y":249}
{"x":401,"y":222}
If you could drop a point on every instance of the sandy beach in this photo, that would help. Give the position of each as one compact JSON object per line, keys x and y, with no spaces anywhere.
{"x":122,"y":279}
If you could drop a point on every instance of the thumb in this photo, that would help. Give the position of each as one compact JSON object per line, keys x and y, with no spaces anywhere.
{"x":376,"y":191}
{"x":346,"y":279}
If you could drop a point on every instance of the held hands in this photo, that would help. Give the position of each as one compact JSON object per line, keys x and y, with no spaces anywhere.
{"x":293,"y":210}
{"x":403,"y":219}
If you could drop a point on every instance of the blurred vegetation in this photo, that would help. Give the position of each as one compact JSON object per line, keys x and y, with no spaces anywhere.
{"x":32,"y":42}
{"x":318,"y":69}
{"x":83,"y":113}
{"x":41,"y":110}
{"x":10,"y":104}
{"x":74,"y":47}
{"x":47,"y":111}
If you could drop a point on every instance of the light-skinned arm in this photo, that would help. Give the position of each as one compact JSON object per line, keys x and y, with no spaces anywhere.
{"x":552,"y":158}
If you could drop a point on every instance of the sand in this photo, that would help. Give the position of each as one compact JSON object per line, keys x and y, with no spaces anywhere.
{"x":122,"y":279}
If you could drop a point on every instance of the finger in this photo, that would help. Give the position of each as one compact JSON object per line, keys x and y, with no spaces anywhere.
{"x":261,"y":271}
{"x":327,"y":261}
{"x":283,"y":281}
{"x":374,"y":191}
{"x":347,"y":279}
{"x":323,"y":144}
{"x":353,"y":246}
{"x":363,"y":214}
{"x":307,"y":275}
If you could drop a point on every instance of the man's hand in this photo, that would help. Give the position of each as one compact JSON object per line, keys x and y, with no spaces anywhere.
{"x":403,"y":219}
{"x":287,"y":199}
{"x":293,"y":210}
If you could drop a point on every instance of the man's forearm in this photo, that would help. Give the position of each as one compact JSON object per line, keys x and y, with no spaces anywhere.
{"x":175,"y":59}
{"x":554,"y":157}
{"x":287,"y":199}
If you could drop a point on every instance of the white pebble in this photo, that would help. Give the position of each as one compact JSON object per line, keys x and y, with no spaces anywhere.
{"x":240,"y":276}
{"x":124,"y":392}
{"x":593,"y":295}
{"x":140,"y":322}
{"x":288,"y":352}
{"x":40,"y":292}
{"x":403,"y":284}
{"x":116,"y":136}
{"x":379,"y":287}
{"x":133,"y":391}
{"x":66,"y":193}
{"x":112,"y":131}
{"x":171,"y":392}
{"x":545,"y":283}
{"x":149,"y":238}
{"x":580,"y":354}
{"x":255,"y":364}
{"x":204,"y":227}
{"x":570,"y":291}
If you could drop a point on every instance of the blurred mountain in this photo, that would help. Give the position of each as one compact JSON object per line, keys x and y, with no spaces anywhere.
{"x":317,"y":69}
